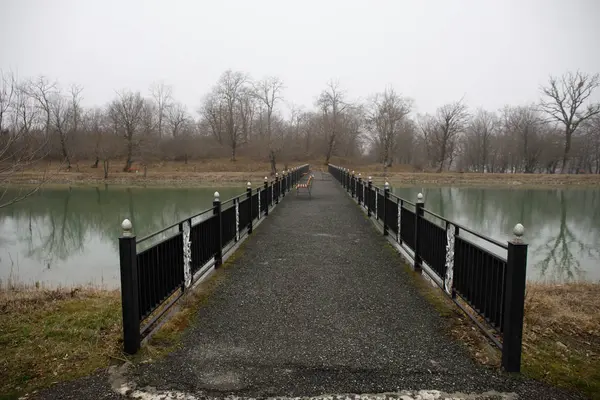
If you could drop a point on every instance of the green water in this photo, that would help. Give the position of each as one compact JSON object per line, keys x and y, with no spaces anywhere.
{"x":70,"y":236}
{"x":64,"y":237}
{"x":562,"y":225}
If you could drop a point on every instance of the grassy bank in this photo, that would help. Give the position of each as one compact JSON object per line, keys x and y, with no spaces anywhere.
{"x":561,"y":336}
{"x":223,"y":171}
{"x":47,"y":336}
{"x":54,"y":335}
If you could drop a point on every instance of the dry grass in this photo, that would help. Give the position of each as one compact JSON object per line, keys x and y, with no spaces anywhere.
{"x":206,"y":172}
{"x":52,"y":335}
{"x":562,"y":335}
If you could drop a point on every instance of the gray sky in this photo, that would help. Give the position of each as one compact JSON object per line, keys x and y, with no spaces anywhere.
{"x":492,"y":52}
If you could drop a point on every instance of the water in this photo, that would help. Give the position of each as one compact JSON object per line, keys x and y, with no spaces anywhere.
{"x":562,"y":225}
{"x":66,"y":237}
{"x":69,"y":236}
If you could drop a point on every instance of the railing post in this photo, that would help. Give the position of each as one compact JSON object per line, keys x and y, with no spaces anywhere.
{"x":276,"y":187}
{"x":129,"y":289}
{"x":249,"y":195}
{"x":359,"y":188}
{"x":514,"y":301}
{"x":386,"y":194}
{"x":219,"y":233}
{"x":267,"y":195}
{"x":283,"y":181}
{"x":418,"y":215}
{"x":370,"y":193}
{"x":352,"y":185}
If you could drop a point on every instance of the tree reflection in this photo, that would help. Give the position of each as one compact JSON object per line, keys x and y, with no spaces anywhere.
{"x":560,"y":262}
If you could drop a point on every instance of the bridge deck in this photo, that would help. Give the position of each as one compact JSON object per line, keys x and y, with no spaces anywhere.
{"x":317,"y":303}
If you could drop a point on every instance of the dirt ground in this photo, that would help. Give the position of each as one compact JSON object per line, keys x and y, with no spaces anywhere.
{"x":224,"y":172}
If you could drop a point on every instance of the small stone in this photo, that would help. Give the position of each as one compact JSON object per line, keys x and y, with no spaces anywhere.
{"x":561,"y":345}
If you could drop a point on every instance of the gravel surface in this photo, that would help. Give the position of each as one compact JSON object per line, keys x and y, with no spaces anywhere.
{"x":317,"y":305}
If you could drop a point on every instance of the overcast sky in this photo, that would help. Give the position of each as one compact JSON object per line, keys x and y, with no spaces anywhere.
{"x":491,"y":52}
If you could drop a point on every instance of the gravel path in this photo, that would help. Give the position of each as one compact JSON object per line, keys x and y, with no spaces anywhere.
{"x":318,"y":305}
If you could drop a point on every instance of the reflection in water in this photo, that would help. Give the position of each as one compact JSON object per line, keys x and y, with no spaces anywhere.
{"x":562,"y":225}
{"x":70,"y":236}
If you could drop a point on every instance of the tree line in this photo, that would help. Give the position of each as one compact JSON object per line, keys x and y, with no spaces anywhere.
{"x":241,"y":116}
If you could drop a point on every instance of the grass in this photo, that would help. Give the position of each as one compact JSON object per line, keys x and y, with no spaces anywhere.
{"x":561,"y":337}
{"x":54,"y":335}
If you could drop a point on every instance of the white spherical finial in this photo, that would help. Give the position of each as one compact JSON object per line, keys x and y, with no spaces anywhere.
{"x":519,"y":231}
{"x":387,"y":185}
{"x":359,"y":175}
{"x":266,"y":179}
{"x":420,"y":197}
{"x":249,"y":185}
{"x":352,"y":172}
{"x":126,"y":226}
{"x":370,"y":179}
{"x":276,"y":174}
{"x":217,"y":196}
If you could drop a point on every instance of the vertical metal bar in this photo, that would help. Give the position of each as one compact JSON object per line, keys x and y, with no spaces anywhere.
{"x":129,"y":289}
{"x":218,"y":233}
{"x":267,"y":195}
{"x":418,"y":215}
{"x":249,"y":196}
{"x":369,"y":197}
{"x":386,"y":194}
{"x":514,"y":302}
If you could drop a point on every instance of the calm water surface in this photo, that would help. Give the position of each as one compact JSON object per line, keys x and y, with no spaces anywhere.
{"x":562,"y":225}
{"x":65,"y":237}
{"x":69,"y":236}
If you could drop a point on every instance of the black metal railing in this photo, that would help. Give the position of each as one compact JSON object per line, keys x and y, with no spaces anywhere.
{"x":156,"y":270}
{"x":484,"y":277}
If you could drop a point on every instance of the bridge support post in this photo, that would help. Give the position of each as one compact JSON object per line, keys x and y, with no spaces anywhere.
{"x":514,"y":301}
{"x":129,"y":289}
{"x":369,"y":194}
{"x":250,"y":205}
{"x":418,"y":215}
{"x":267,"y":196}
{"x":386,"y":195}
{"x":219,"y":232}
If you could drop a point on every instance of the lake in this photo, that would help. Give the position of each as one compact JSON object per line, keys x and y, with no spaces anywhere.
{"x":65,"y":237}
{"x":562,"y":226}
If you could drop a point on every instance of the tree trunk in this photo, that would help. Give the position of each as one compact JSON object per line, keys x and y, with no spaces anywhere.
{"x":105,"y":164}
{"x":63,"y":145}
{"x":272,"y":160}
{"x":329,"y":149}
{"x":233,"y":146}
{"x":129,"y":155}
{"x":568,"y":135}
{"x":95,"y":165}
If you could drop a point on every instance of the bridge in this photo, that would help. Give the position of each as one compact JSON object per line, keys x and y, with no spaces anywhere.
{"x":321,"y":299}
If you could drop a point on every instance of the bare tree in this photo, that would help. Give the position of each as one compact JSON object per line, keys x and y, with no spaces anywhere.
{"x":565,"y":102}
{"x":41,"y":90}
{"x":162,"y":95}
{"x":7,"y":90}
{"x":332,"y":106}
{"x":268,"y":91}
{"x":387,"y":112}
{"x":224,"y":108}
{"x":525,"y":126}
{"x":127,"y":112}
{"x":20,"y":145}
{"x":441,"y":132}
{"x":478,"y":139}
{"x":60,"y":115}
{"x":177,"y":117}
